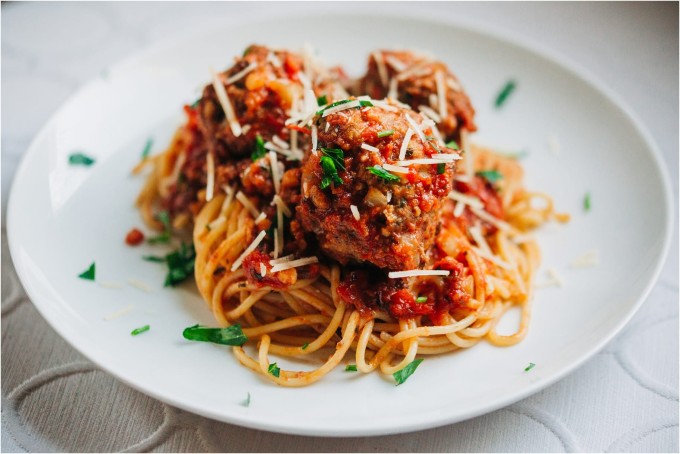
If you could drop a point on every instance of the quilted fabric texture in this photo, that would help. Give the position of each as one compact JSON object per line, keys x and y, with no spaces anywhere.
{"x":53,"y":399}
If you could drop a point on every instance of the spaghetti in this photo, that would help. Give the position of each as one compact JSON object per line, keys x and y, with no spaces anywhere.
{"x":317,"y":249}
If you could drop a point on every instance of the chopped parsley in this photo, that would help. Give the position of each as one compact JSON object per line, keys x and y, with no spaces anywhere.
{"x":386,"y":133}
{"x":529,"y":367}
{"x":154,"y":258}
{"x":180,"y":265}
{"x":304,"y":347}
{"x":421,"y":299}
{"x":231,"y":335}
{"x":163,"y":238}
{"x":382,"y":173}
{"x":336,"y":154}
{"x":452,"y":145}
{"x":140,"y":330}
{"x":147,"y":148}
{"x":260,"y":150}
{"x":491,"y":176}
{"x":274,"y":370}
{"x":80,"y":159}
{"x":351,"y":368}
{"x":505,"y":92}
{"x":441,"y":168}
{"x":330,"y":172}
{"x":586,"y":202}
{"x":88,"y":274}
{"x":322,"y":100}
{"x":195,"y":103}
{"x":246,"y":403}
{"x":403,"y":374}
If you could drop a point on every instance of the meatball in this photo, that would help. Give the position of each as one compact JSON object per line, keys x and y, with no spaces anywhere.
{"x":265,"y":87}
{"x":417,"y":80}
{"x":361,"y":212}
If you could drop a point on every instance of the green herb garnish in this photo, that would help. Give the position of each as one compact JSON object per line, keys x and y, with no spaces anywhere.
{"x":195,"y":103}
{"x":231,"y":335}
{"x":260,"y":150}
{"x":274,"y":370}
{"x":304,"y":347}
{"x":140,"y":330}
{"x":80,"y":159}
{"x":505,"y":92}
{"x":88,"y":274}
{"x":386,"y":133}
{"x":452,"y":145}
{"x":147,"y":148}
{"x":246,"y":403}
{"x":529,"y":367}
{"x":362,"y":103}
{"x":337,"y":155}
{"x":421,"y":299}
{"x":154,"y":258}
{"x":164,"y":237}
{"x":180,"y":265}
{"x":382,"y":173}
{"x":491,"y":176}
{"x":351,"y":368}
{"x":441,"y":168}
{"x":586,"y":202}
{"x":401,"y":375}
{"x":330,"y":172}
{"x":322,"y":100}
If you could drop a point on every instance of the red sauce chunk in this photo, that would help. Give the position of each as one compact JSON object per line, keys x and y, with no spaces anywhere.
{"x":134,"y":237}
{"x":256,"y":260}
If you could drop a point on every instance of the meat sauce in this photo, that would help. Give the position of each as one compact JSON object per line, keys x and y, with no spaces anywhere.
{"x":370,"y":289}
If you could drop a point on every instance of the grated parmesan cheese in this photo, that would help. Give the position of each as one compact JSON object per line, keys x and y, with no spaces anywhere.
{"x":279,"y":142}
{"x":395,"y":169}
{"x":355,"y":212}
{"x":395,"y":63}
{"x":409,"y":162}
{"x":118,"y":314}
{"x":247,"y":204}
{"x":471,"y":201}
{"x":413,"y":273}
{"x":441,"y":93}
{"x":429,"y":112}
{"x":210,"y":170}
{"x":315,"y":138}
{"x":278,"y":201}
{"x":458,"y":210}
{"x":274,"y":164}
{"x":140,"y":285}
{"x":341,"y":107}
{"x":368,"y":147}
{"x":415,"y":127}
{"x":287,"y":258}
{"x":223,"y":98}
{"x":263,"y":269}
{"x":491,"y":258}
{"x":453,"y":85}
{"x":256,"y":242}
{"x":388,"y":196}
{"x":382,"y":69}
{"x":239,"y":75}
{"x":404,"y":144}
{"x":294,"y":264}
{"x":108,"y":284}
{"x":260,"y":218}
{"x":589,"y":259}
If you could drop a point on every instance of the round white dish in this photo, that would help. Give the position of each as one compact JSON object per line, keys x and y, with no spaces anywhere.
{"x":61,"y":218}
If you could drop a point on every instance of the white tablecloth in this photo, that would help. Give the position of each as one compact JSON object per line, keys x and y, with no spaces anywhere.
{"x":624,"y":399}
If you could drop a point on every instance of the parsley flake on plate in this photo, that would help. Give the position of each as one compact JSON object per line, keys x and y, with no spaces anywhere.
{"x":89,"y":273}
{"x":403,"y":374}
{"x":80,"y":159}
{"x":231,"y":335}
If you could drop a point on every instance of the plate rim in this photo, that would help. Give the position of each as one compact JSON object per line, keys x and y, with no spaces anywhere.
{"x":466,"y":24}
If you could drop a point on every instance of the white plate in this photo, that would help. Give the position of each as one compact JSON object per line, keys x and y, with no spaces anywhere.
{"x":61,"y":218}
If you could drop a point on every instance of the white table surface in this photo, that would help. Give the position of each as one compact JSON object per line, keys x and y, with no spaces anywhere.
{"x":623,"y":399}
